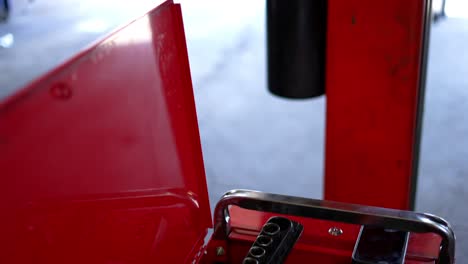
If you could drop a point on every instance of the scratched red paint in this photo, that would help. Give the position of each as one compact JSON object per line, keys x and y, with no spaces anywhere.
{"x":373,"y":66}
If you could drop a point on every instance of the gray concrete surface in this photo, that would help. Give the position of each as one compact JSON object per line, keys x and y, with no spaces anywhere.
{"x":443,"y":184}
{"x":250,"y":138}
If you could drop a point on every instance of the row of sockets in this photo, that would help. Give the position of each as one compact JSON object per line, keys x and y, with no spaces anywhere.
{"x":275,"y":241}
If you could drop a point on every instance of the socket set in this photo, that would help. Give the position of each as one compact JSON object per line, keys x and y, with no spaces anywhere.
{"x":275,"y":241}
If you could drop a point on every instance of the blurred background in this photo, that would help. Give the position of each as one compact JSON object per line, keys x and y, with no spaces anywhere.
{"x":250,"y":138}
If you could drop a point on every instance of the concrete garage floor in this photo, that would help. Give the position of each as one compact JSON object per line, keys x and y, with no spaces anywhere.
{"x":250,"y":138}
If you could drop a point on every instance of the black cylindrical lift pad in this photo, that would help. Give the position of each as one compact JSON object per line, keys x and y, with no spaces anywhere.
{"x":296,"y":36}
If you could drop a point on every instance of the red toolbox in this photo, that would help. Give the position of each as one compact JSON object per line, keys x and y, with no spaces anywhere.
{"x":100,"y":162}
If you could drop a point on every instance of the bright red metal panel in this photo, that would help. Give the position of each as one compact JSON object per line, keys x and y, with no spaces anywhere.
{"x":100,"y":159}
{"x":373,"y":66}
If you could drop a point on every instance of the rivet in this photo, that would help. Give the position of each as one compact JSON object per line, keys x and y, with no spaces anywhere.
{"x":335,"y":231}
{"x":61,"y":91}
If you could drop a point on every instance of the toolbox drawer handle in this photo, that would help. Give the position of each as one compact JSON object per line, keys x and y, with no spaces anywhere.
{"x":336,"y":211}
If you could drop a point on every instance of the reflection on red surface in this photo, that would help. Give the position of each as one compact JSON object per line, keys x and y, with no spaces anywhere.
{"x":140,"y":227}
{"x":100,"y":159}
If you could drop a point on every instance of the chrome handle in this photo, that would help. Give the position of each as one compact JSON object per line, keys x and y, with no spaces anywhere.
{"x":335,"y":211}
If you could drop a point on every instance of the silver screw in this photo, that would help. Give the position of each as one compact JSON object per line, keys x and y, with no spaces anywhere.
{"x":335,"y":231}
{"x":219,"y":251}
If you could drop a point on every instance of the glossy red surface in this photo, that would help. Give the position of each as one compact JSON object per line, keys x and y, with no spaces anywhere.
{"x":100,"y":159}
{"x":374,"y":53}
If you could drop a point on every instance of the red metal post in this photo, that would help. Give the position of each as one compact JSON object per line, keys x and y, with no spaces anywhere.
{"x":375,"y":58}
